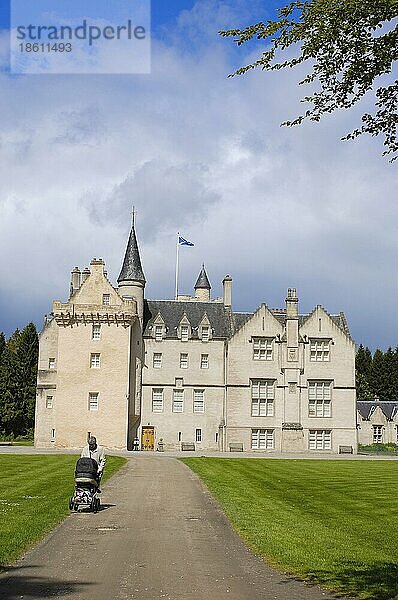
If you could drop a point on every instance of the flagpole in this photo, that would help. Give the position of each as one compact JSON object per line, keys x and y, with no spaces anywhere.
{"x":177,"y":263}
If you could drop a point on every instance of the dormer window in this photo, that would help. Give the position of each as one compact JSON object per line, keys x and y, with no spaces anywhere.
{"x":205,"y":333}
{"x":204,"y":329}
{"x":184,"y":330}
{"x":158,"y":333}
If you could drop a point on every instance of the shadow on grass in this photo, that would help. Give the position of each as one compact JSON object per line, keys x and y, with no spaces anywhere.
{"x":16,"y":584}
{"x":370,"y":581}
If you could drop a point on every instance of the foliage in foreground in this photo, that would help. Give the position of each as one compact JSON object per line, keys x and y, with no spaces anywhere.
{"x":346,"y":45}
{"x":333,"y":523}
{"x":34,"y":494}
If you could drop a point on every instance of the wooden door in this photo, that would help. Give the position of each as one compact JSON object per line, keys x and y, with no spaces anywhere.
{"x":148,"y":438}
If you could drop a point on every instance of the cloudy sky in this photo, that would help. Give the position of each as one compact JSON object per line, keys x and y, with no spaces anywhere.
{"x":200,"y":153}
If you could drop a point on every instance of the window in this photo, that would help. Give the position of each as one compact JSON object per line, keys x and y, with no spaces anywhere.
{"x":106,"y":299}
{"x":157,"y":360}
{"x":96,"y":333}
{"x":263,"y":439}
{"x":319,"y":350}
{"x":205,"y":333}
{"x":52,"y":435}
{"x":377,"y":434}
{"x":262,"y":398}
{"x":179,"y":436}
{"x":158,"y":333}
{"x":204,"y":361}
{"x":184,"y":333}
{"x":320,"y":439}
{"x":198,"y":435}
{"x":49,"y":401}
{"x":178,"y":401}
{"x":183,"y":361}
{"x":262,"y":348}
{"x":95,"y":362}
{"x":157,"y":400}
{"x":199,"y":401}
{"x":51,"y":363}
{"x":93,"y":401}
{"x":319,"y":399}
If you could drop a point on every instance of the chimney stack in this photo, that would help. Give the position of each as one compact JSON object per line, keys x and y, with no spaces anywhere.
{"x":227,"y":291}
{"x":292,"y":304}
{"x":76,"y":280}
{"x":85,"y":274}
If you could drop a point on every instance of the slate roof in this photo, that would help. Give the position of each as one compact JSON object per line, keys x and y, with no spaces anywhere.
{"x":203,"y":282}
{"x":223,"y":321}
{"x":132,"y":268}
{"x":367,"y":407}
{"x":172,"y":312}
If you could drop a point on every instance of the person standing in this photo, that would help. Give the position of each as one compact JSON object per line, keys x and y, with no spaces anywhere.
{"x":92,"y":450}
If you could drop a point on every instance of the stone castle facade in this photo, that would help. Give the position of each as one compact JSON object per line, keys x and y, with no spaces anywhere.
{"x":191,"y":372}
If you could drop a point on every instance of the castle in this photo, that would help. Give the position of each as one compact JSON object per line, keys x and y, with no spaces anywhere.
{"x":191,"y":372}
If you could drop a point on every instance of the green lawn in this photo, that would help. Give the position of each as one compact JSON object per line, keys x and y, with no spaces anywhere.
{"x":330,"y":522}
{"x":34,"y":495}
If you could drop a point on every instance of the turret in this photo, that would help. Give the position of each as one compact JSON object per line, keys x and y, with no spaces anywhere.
{"x":202,"y":286}
{"x":132,"y":279}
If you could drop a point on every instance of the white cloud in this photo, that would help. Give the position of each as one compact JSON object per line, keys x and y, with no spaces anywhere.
{"x":198,"y":152}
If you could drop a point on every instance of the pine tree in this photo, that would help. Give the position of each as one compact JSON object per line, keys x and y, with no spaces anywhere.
{"x":378,"y":376}
{"x":11,"y":413}
{"x":27,"y":353}
{"x":363,"y":368}
{"x":2,"y":344}
{"x":389,"y":367}
{"x":18,"y":368}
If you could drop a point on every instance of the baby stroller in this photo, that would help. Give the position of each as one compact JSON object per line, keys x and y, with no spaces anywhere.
{"x":87,"y":482}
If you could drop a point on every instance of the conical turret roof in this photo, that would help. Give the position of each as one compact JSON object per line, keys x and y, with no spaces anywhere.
{"x":132,"y":268}
{"x":203,"y":282}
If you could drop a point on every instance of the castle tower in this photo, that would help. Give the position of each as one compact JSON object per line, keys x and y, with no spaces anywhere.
{"x":132,"y":279}
{"x":202,"y":286}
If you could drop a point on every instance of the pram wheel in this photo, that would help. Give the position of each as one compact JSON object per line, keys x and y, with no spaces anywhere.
{"x":95,"y":505}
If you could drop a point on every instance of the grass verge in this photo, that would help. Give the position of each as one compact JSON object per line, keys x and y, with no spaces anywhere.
{"x":34,"y":495}
{"x":333,"y":523}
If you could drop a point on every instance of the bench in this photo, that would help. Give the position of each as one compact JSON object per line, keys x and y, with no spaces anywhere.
{"x":345,"y":450}
{"x":5,"y":443}
{"x":236,"y":447}
{"x":187,"y":446}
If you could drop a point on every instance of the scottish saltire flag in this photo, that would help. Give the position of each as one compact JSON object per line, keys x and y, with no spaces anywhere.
{"x":183,"y":242}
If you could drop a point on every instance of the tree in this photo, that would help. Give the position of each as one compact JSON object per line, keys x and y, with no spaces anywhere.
{"x":378,"y":376}
{"x":363,"y":367}
{"x":18,"y":369}
{"x":2,"y":343}
{"x":347,"y":45}
{"x":11,"y":413}
{"x":28,"y":353}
